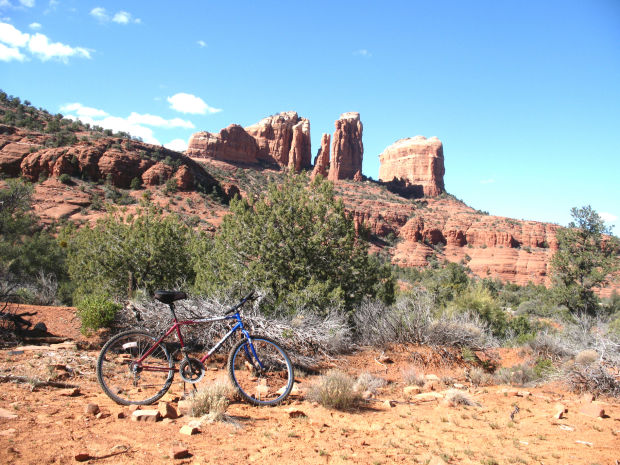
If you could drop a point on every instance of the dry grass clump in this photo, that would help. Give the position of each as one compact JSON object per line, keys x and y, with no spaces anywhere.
{"x":211,"y":401}
{"x":336,"y":390}
{"x":367,"y":382}
{"x":411,"y":377}
{"x":455,"y":397}
{"x":586,"y":357}
{"x":479,"y":377}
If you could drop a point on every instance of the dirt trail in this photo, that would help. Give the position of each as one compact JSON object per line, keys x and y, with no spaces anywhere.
{"x":44,"y":426}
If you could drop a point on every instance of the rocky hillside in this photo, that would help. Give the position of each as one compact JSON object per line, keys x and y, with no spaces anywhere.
{"x":410,"y":217}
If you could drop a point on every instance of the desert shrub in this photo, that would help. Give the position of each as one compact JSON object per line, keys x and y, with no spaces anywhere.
{"x":368,"y":382}
{"x":549,"y":345}
{"x":460,"y":330}
{"x":212,"y":400}
{"x":65,"y":178}
{"x":478,"y":300}
{"x":297,"y":243}
{"x":412,"y":377}
{"x":595,"y":377}
{"x":586,"y":357}
{"x":526,"y":373}
{"x":96,"y":311}
{"x":336,"y":390}
{"x":456,"y":397}
{"x":122,"y":253}
{"x":478,"y":377}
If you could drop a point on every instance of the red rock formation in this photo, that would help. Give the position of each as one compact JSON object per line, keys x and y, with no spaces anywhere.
{"x":282,"y":139}
{"x":300,"y":153}
{"x":157,"y":174}
{"x":415,"y":161}
{"x":347,"y":147}
{"x":321,"y":162}
{"x":230,"y":144}
{"x":184,"y":178}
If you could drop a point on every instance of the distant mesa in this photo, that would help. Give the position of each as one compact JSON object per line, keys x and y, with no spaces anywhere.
{"x":414,"y":166}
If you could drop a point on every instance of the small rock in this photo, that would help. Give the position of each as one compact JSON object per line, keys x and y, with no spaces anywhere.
{"x":179,"y":452}
{"x":390,"y":403}
{"x":523,"y":393}
{"x":169,"y":397}
{"x":559,"y":411}
{"x":121,"y":415}
{"x":459,"y":386}
{"x":69,"y":392}
{"x":166,"y":410}
{"x":295,"y":413}
{"x":189,"y":430}
{"x":7,"y":415}
{"x":385,"y":359}
{"x":592,"y":410}
{"x":146,"y":415}
{"x":91,"y":409}
{"x":409,"y":391}
{"x":133,"y":407}
{"x":82,"y":456}
{"x":428,"y":396}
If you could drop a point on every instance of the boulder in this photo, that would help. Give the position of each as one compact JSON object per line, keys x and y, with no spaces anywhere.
{"x":416,"y":161}
{"x":347,"y":147}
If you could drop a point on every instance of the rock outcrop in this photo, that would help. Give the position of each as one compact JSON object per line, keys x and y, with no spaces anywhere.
{"x":282,"y":139}
{"x":347,"y":148}
{"x":321,"y":161}
{"x":231,"y":144}
{"x":414,"y":164}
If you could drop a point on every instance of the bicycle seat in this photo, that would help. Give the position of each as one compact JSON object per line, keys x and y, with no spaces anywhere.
{"x":167,"y":297}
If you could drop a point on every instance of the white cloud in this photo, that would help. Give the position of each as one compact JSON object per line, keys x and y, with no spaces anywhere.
{"x":99,"y":13}
{"x":202,"y":43}
{"x":40,"y":46}
{"x":487,"y":181}
{"x":178,"y":145}
{"x":188,"y":103}
{"x":122,"y":17}
{"x":37,"y":44}
{"x":608,"y":217}
{"x":12,"y":36}
{"x":362,"y":52}
{"x":35,"y":26}
{"x":81,"y":111}
{"x":27,"y":3}
{"x":10,"y":53}
{"x":135,"y":124}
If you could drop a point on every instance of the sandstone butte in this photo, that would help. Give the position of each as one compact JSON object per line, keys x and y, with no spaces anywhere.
{"x":347,"y":148}
{"x":414,"y":163}
{"x":282,"y":139}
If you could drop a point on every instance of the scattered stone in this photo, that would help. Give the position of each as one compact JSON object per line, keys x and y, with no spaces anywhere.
{"x":410,"y":391}
{"x":7,"y":415}
{"x":184,"y":407}
{"x":151,"y":415}
{"x":559,"y":411}
{"x":189,"y":430}
{"x":133,"y":408}
{"x":385,"y":359}
{"x":459,"y":386}
{"x":82,"y":456}
{"x":592,"y":410}
{"x":169,"y":397}
{"x":179,"y":452}
{"x":295,"y":413}
{"x":121,"y":415}
{"x":428,"y":396}
{"x":523,"y":393}
{"x":389,"y":403}
{"x":69,"y":392}
{"x":91,"y":409}
{"x":166,"y":410}
{"x":586,"y":443}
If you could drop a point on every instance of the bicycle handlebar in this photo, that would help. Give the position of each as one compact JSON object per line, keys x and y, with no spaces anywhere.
{"x":233,"y":309}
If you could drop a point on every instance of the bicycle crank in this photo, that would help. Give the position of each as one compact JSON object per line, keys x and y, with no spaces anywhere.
{"x":192,"y":370}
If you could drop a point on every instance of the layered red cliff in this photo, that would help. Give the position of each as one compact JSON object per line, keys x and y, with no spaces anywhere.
{"x":414,"y":162}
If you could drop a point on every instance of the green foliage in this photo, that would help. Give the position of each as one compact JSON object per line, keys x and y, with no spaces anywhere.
{"x":585,"y":260}
{"x":479,"y":300}
{"x":119,"y":254}
{"x":136,"y":183}
{"x":298,"y":243}
{"x":96,"y":311}
{"x":65,"y":178}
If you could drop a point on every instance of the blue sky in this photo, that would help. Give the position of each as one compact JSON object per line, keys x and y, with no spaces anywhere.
{"x":525,"y":95}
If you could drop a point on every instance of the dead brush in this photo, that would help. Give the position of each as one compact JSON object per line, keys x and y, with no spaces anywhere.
{"x":336,"y":390}
{"x":479,"y":377}
{"x":595,"y":377}
{"x":411,"y":377}
{"x":367,"y":382}
{"x":212,"y":401}
{"x":456,"y":397}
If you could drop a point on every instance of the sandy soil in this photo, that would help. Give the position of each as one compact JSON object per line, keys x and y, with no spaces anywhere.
{"x":44,"y":426}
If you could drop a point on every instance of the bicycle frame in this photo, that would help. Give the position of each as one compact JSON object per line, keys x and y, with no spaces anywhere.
{"x":177,"y":327}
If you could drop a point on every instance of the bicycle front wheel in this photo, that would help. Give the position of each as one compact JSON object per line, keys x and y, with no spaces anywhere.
{"x":261,"y":371}
{"x":126,"y":379}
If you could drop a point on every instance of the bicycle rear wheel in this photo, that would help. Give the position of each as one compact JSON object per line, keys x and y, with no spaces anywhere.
{"x":261,"y":371}
{"x":125,"y":380}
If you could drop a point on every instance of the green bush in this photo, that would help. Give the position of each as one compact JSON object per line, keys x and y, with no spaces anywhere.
{"x":65,"y":178}
{"x":96,"y":311}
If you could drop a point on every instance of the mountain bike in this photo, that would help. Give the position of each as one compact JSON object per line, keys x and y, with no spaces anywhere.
{"x":135,"y":367}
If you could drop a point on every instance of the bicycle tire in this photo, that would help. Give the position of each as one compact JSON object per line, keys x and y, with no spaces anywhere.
{"x":268,"y":385}
{"x":128,"y":386}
